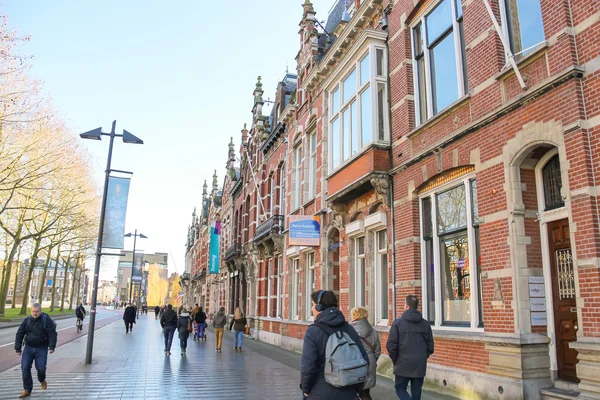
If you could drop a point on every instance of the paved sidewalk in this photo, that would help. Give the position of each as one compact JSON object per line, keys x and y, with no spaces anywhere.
{"x":134,"y":366}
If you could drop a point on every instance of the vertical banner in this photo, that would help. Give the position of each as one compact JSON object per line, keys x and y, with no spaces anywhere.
{"x":215,"y":232}
{"x":116,"y":209}
{"x":136,"y":272}
{"x":305,"y":230}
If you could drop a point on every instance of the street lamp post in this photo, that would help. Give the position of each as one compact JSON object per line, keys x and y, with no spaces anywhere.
{"x":97,"y":134}
{"x":135,"y":236}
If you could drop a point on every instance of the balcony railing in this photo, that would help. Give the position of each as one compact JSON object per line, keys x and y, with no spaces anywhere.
{"x":272,"y":226}
{"x":233,"y":251}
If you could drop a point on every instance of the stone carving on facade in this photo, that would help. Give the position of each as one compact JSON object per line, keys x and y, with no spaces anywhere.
{"x":252,"y":266}
{"x":338,"y":215}
{"x":498,"y":299}
{"x":278,"y":243}
{"x":381,"y":183}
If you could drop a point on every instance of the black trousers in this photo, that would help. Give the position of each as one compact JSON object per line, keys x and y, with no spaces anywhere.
{"x":128,"y":326}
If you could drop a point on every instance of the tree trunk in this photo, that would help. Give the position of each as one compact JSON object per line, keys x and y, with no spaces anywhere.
{"x":36,"y":250}
{"x":4,"y":288}
{"x":56,"y":264}
{"x":43,"y":280}
{"x":5,"y":263}
{"x":65,"y":287}
{"x":18,"y":268}
{"x":73,"y":283}
{"x":79,"y":287}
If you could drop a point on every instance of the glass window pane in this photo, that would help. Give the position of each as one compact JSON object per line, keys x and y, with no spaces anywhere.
{"x":458,"y":9}
{"x":382,"y":240}
{"x":365,"y":70}
{"x":349,"y":86}
{"x":456,"y":289}
{"x":361,"y":246}
{"x":362,"y":288}
{"x":443,"y":69}
{"x":552,"y":184}
{"x":418,"y":37}
{"x":346,"y":137}
{"x":525,"y":23}
{"x":429,"y":274}
{"x":313,"y":143}
{"x":427,"y":225}
{"x":474,"y":203}
{"x":477,"y":271}
{"x":381,"y":110}
{"x":336,"y":101}
{"x":451,"y":210}
{"x":384,"y":287}
{"x":335,"y":144}
{"x":438,"y":21}
{"x":421,"y":88}
{"x":366,"y":120}
{"x":354,"y":127}
{"x":379,"y":60}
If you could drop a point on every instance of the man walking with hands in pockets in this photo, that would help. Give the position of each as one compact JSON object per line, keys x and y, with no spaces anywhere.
{"x":38,"y":332}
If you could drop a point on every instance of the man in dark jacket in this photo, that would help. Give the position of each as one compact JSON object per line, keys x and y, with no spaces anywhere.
{"x":156,"y":311}
{"x":409,"y":345}
{"x":312,"y":370}
{"x":129,"y":318}
{"x":39,"y":334}
{"x":168,"y":321}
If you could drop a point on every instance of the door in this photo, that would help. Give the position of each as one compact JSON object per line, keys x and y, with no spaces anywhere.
{"x":563,"y":296}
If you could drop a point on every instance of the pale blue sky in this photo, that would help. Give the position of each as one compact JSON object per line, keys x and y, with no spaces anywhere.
{"x":178,"y":74}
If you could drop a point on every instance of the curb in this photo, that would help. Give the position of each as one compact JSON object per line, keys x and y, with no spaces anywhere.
{"x":17,"y":322}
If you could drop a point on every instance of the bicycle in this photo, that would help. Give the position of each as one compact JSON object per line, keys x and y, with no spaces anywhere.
{"x":79,"y":325}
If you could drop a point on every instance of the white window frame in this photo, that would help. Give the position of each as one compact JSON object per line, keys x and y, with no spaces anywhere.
{"x":295,"y":292}
{"x":473,"y":277}
{"x":506,"y":31}
{"x":279,"y":280}
{"x":297,"y":178}
{"x":377,"y":266}
{"x":460,"y":63}
{"x":272,"y":195}
{"x":360,"y":272}
{"x":310,"y":283}
{"x":372,"y":85}
{"x":281,"y":189}
{"x":312,"y":166}
{"x":269,"y":273}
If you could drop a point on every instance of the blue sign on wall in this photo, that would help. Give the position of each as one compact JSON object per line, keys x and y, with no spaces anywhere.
{"x":304,"y":230}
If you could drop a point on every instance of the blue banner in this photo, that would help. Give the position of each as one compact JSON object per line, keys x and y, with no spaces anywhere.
{"x":116,"y":210}
{"x":215,"y":232}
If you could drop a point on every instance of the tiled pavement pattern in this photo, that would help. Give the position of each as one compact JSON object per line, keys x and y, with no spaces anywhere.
{"x":134,"y":366}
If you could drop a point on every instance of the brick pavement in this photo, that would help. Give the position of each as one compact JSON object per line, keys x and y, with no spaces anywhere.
{"x":134,"y":367}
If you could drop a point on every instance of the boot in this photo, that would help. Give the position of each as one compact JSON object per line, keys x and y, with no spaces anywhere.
{"x":25,"y":393}
{"x":44,"y":385}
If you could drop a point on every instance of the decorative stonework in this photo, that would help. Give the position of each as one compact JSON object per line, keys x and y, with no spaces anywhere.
{"x":381,"y":183}
{"x":498,"y":299}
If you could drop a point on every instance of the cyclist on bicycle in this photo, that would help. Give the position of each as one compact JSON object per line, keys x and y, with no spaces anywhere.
{"x":80,"y":314}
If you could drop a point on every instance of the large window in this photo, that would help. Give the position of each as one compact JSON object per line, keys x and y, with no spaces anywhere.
{"x":312,"y":166}
{"x":450,"y":256}
{"x":297,"y":177}
{"x":360,"y":272}
{"x":359,"y":108}
{"x":440,"y":65}
{"x":523,"y":25}
{"x":310,"y":282}
{"x":295,"y":292}
{"x":380,"y":264}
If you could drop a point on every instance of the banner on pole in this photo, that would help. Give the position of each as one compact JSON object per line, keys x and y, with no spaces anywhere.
{"x":116,"y":210}
{"x":215,"y":232}
{"x":136,"y":272}
{"x":305,"y":230}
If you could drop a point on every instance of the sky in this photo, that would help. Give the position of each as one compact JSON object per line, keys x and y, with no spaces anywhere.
{"x":177,"y":74}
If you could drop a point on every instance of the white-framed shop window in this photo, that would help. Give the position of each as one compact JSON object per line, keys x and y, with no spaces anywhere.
{"x":358,"y":107}
{"x":522,"y":25}
{"x":310,"y":283}
{"x":450,"y":255}
{"x":295,"y":292}
{"x":359,"y":262}
{"x":439,"y":59}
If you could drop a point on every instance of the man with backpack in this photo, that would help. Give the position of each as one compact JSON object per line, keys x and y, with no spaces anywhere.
{"x":38,"y":332}
{"x":409,"y":345}
{"x":334,"y":361}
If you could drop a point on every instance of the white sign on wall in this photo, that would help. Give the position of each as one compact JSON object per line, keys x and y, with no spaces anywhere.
{"x":537,"y":304}
{"x":539,"y":319}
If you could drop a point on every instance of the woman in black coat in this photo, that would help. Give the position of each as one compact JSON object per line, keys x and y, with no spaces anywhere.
{"x":129,"y":317}
{"x":183,"y":323}
{"x":312,"y":370}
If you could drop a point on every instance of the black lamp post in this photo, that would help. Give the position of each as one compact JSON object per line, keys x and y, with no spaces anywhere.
{"x":135,"y":236}
{"x":97,"y":134}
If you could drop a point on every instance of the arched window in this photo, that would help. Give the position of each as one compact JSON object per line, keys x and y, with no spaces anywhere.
{"x":552,"y":184}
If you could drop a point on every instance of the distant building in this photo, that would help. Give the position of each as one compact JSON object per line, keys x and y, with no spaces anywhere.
{"x":157,"y":261}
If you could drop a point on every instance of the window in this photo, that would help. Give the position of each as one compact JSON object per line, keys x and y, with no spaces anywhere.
{"x":523,"y":24}
{"x":295,"y":292}
{"x":552,"y":184}
{"x":312,"y":167}
{"x":269,"y":282}
{"x":297,"y":178}
{"x":281,"y":189}
{"x":360,"y":272}
{"x":279,"y":283}
{"x":310,"y":282}
{"x":438,"y":48}
{"x":380,"y":256}
{"x":272,"y":194}
{"x":359,"y":108}
{"x":450,"y":256}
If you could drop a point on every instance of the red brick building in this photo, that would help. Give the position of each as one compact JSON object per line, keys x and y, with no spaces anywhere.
{"x":447,"y":149}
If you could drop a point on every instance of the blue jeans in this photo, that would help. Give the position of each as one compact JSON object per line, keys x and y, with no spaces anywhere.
{"x":201,"y":326}
{"x":40,"y":355}
{"x":168,"y":331}
{"x":237,"y":338}
{"x":416,"y":386}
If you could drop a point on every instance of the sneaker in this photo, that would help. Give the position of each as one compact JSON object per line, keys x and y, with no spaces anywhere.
{"x":25,"y":393}
{"x":44,"y":385}
{"x":219,"y":350}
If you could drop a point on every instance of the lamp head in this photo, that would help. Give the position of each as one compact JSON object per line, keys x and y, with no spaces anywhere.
{"x":94,"y":134}
{"x":142,"y":236}
{"x":130,"y":138}
{"x":127,"y":235}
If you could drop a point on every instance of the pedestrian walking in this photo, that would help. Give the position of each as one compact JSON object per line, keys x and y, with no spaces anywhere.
{"x":409,"y":345}
{"x":370,"y":339}
{"x":200,"y":321}
{"x":168,"y":321}
{"x":329,"y":332}
{"x":219,"y":322}
{"x":38,"y":333}
{"x":156,"y":312}
{"x":184,"y":327}
{"x":129,"y":318}
{"x":238,"y":323}
{"x":194,"y":311}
